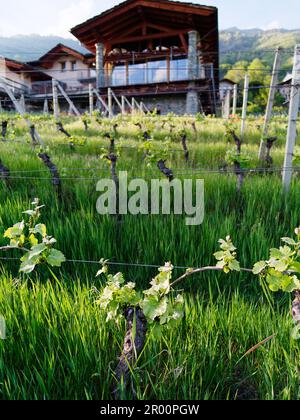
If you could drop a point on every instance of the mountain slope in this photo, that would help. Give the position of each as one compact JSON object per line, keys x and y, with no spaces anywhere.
{"x":31,"y":47}
{"x":235,"y":45}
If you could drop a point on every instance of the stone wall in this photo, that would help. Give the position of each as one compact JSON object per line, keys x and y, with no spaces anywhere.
{"x":166,"y":103}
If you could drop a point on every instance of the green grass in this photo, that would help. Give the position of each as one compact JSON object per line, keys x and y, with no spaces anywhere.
{"x":58,"y":345}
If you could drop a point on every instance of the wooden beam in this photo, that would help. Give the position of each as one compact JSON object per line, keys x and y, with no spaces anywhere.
{"x":184,"y":43}
{"x":159,"y":27}
{"x":161,"y":35}
{"x":177,"y":7}
{"x":125,"y":9}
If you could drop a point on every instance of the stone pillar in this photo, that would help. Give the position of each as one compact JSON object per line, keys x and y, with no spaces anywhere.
{"x":192,"y":100}
{"x":100,"y":66}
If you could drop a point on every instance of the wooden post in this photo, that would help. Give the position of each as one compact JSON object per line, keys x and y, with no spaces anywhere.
{"x":133,"y":106}
{"x":292,"y":126}
{"x":70,"y":102}
{"x":101,"y":101}
{"x":235,"y":98}
{"x":110,"y":103}
{"x":127,"y":73}
{"x":169,"y":67}
{"x":245,"y":105}
{"x":55,"y":99}
{"x":273,"y":86}
{"x":91,"y":99}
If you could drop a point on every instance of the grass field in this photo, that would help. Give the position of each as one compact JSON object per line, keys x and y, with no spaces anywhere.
{"x":58,"y":344}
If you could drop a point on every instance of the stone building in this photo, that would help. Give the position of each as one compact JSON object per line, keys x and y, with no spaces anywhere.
{"x":164,"y":53}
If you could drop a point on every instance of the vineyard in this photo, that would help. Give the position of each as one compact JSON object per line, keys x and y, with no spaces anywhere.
{"x":233,"y":337}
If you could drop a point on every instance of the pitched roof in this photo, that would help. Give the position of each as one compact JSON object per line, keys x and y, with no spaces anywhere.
{"x":113,"y":25}
{"x":59,"y":51}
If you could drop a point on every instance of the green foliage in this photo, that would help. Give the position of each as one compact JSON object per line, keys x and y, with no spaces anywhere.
{"x":32,"y":238}
{"x":159,"y":309}
{"x":154,"y":152}
{"x":281,"y":271}
{"x":243,"y":159}
{"x":227,"y":256}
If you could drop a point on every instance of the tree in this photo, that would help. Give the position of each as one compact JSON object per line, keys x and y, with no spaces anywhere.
{"x":238,"y":71}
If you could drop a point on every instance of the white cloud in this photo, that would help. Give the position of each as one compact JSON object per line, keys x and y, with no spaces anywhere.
{"x":70,"y":16}
{"x":272,"y":25}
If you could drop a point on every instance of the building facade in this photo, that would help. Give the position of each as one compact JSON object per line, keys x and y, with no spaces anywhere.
{"x":164,"y":52}
{"x":161,"y":52}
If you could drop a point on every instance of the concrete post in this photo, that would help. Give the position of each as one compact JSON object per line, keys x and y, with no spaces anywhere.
{"x":272,"y":92}
{"x":91,"y":99}
{"x":55,"y":99}
{"x":100,"y":66}
{"x":292,"y":127}
{"x":235,"y":99}
{"x":245,"y":105}
{"x":227,"y":102}
{"x":192,"y":101}
{"x":123,"y":105}
{"x":22,"y":102}
{"x":46,"y":107}
{"x":110,"y":103}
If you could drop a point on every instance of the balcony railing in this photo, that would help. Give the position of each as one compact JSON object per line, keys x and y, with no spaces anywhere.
{"x":16,"y":87}
{"x":151,"y":73}
{"x":155,"y":72}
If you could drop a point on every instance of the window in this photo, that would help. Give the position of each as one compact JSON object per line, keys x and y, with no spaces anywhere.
{"x":63,"y":66}
{"x":179,"y":69}
{"x":119,"y":76}
{"x":73,"y":65}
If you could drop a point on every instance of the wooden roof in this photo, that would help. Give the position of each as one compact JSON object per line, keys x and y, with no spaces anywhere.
{"x":133,"y":23}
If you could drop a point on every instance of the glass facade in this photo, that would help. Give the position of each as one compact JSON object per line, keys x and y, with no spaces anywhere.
{"x":151,"y":72}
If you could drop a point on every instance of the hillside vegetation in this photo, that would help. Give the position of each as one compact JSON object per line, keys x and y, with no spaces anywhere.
{"x":233,"y":40}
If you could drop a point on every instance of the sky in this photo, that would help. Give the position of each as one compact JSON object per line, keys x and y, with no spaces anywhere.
{"x":56,"y":17}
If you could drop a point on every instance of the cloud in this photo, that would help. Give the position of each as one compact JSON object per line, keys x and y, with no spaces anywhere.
{"x":272,"y":25}
{"x":77,"y":12}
